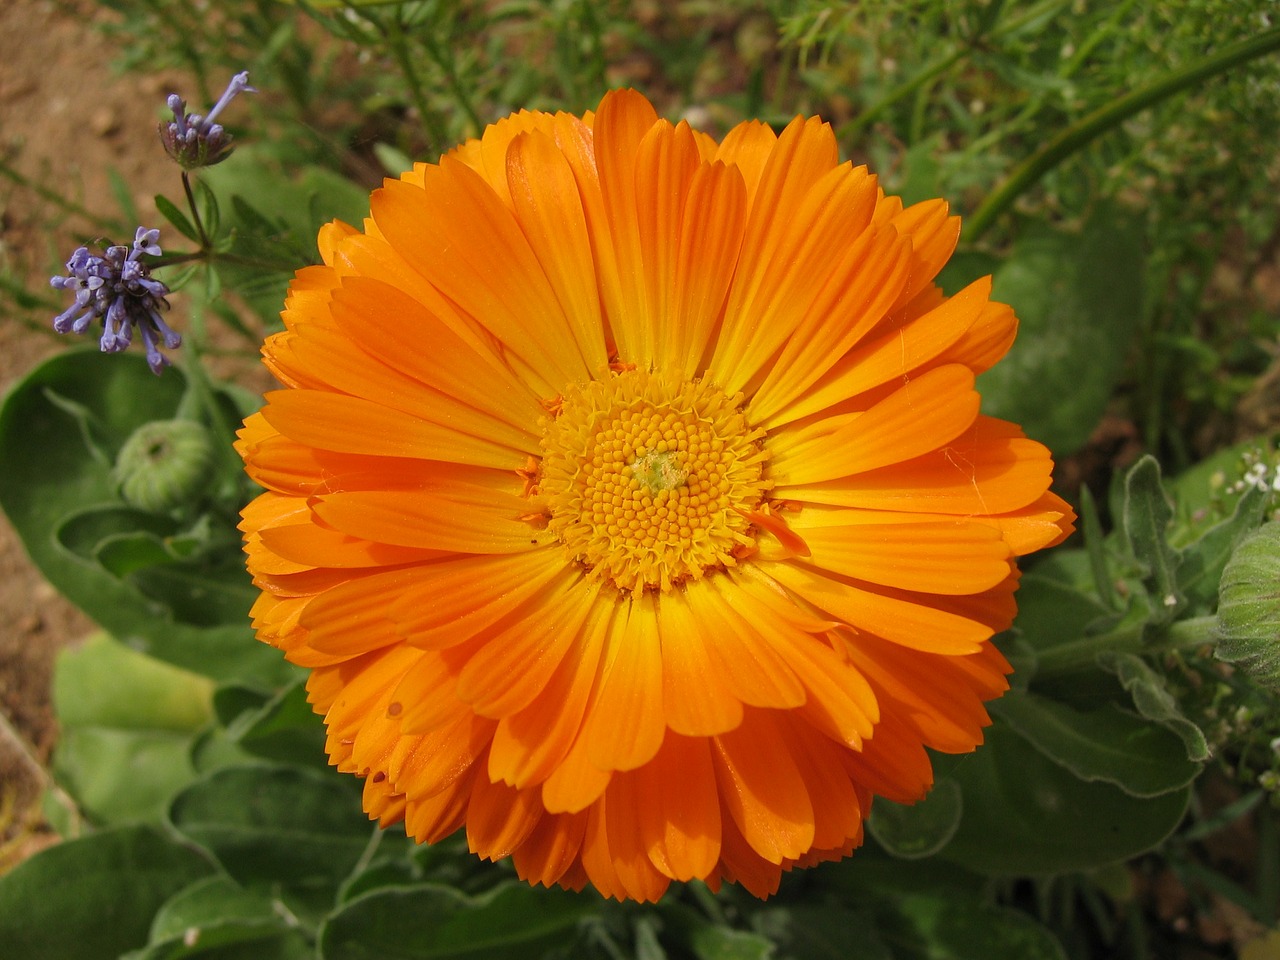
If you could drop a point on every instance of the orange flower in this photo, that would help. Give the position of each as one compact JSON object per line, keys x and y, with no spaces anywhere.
{"x":629,"y":500}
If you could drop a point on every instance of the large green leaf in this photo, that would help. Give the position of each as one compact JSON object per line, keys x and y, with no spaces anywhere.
{"x":124,"y":747}
{"x":215,"y":917}
{"x":1026,"y":814}
{"x":1078,"y":297}
{"x":92,"y":898}
{"x":1142,"y":758}
{"x":284,"y":728}
{"x":276,"y":824}
{"x":433,"y":922}
{"x":814,"y":932}
{"x":60,"y":428}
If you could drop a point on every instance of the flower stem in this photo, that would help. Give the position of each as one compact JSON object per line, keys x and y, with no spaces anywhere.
{"x":1180,"y":635}
{"x":1106,"y":117}
{"x":195,"y":212}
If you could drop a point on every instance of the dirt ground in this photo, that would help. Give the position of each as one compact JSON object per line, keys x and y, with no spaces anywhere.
{"x":66,"y":118}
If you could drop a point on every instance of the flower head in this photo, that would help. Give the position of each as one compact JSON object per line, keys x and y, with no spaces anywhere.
{"x":629,"y":500}
{"x":194,"y":140}
{"x":116,"y":288}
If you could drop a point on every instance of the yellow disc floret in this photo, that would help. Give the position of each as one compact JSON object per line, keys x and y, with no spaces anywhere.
{"x":648,"y":479}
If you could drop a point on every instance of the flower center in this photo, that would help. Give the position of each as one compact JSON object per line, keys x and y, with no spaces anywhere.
{"x":648,"y":478}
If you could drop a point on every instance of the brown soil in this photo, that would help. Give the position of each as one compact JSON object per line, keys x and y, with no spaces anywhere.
{"x":66,"y":118}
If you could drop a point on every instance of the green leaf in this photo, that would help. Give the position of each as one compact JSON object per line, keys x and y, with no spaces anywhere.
{"x":1026,"y":814}
{"x":918,"y":830}
{"x":1051,"y":612}
{"x":1205,"y":560}
{"x":1249,"y":607}
{"x":813,"y":932}
{"x":124,"y":746}
{"x":275,"y":824}
{"x":176,"y":217}
{"x":144,"y":693}
{"x":1109,"y":744}
{"x":711,"y":942}
{"x":122,"y":776}
{"x":285,"y":728}
{"x":1152,"y":699}
{"x":215,"y":917}
{"x":1146,"y":517}
{"x":1078,"y":299}
{"x":992,"y":933}
{"x":432,"y":922}
{"x":92,"y":898}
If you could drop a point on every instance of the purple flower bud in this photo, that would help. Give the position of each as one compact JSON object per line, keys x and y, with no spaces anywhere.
{"x":194,"y":140}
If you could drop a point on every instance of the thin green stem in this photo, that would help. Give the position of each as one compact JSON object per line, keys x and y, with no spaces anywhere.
{"x":1105,"y":118}
{"x":195,"y":212}
{"x":1181,"y":635}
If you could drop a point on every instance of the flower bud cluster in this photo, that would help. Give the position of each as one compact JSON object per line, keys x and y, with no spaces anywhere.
{"x":197,"y":141}
{"x":116,"y":288}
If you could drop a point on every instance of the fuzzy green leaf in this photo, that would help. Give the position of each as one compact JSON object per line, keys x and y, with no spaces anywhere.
{"x":275,"y":824}
{"x":93,"y":898}
{"x":1027,"y":814}
{"x":1108,"y":744}
{"x":1152,"y":699}
{"x":1146,"y":516}
{"x":433,"y":922}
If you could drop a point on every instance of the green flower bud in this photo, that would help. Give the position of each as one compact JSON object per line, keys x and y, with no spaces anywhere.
{"x":1249,"y":607}
{"x":163,"y":464}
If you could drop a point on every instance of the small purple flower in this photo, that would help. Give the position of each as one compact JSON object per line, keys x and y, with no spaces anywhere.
{"x":117,"y":289}
{"x":196,"y":141}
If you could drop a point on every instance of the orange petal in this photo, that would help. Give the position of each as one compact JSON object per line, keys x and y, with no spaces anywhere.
{"x":456,"y":599}
{"x":344,"y":424}
{"x":750,"y":668}
{"x":762,"y":788}
{"x":517,"y":663}
{"x":989,"y":469}
{"x":625,"y":724}
{"x":500,"y":818}
{"x":678,"y":808}
{"x":376,"y":317}
{"x":466,"y":520}
{"x":946,"y":557}
{"x":529,"y":745}
{"x":549,"y":851}
{"x":710,"y":238}
{"x":695,"y":699}
{"x":921,"y":416}
{"x":549,"y":207}
{"x":895,"y":354}
{"x":904,"y":618}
